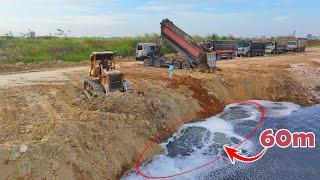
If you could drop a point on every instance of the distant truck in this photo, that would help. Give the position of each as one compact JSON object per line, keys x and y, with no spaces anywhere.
{"x":144,"y":50}
{"x":222,"y":49}
{"x":251,"y":48}
{"x":297,"y":45}
{"x":276,"y":47}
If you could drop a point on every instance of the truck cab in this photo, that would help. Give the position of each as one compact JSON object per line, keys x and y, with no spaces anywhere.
{"x":243,"y":48}
{"x":144,"y":50}
{"x":270,"y":47}
{"x":292,"y":45}
{"x":297,"y":45}
{"x":251,"y":48}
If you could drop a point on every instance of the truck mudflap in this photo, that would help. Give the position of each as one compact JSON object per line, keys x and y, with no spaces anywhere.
{"x":211,"y":60}
{"x":207,"y":62}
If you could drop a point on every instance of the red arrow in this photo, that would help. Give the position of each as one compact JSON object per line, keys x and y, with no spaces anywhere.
{"x":234,"y":154}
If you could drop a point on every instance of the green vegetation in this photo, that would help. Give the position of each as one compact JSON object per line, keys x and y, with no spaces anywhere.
{"x":13,"y":50}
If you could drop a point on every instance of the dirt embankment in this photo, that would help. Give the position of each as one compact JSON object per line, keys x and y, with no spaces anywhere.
{"x":50,"y":130}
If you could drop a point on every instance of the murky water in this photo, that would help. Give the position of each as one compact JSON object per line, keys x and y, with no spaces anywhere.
{"x":197,"y":143}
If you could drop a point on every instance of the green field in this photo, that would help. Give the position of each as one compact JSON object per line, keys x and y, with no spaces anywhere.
{"x":13,"y":50}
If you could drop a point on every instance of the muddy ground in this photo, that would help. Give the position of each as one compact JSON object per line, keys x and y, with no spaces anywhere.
{"x":50,"y":130}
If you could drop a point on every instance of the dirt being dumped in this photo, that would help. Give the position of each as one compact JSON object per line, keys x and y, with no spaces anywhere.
{"x":51,"y":130}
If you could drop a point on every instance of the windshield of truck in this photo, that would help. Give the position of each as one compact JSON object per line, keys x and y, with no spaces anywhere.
{"x":292,"y":43}
{"x":269,"y":43}
{"x":243,"y":44}
{"x":153,"y":48}
{"x":139,"y":47}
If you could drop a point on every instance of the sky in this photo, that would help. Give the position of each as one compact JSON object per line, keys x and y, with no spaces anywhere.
{"x":118,"y":18}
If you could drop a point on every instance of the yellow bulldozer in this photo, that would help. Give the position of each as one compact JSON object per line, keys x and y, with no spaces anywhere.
{"x":105,"y":77}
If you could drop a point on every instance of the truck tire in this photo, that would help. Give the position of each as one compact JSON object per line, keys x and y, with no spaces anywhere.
{"x":218,"y":57}
{"x":147,"y":62}
{"x":177,"y":64}
{"x":186,"y":65}
{"x":157,"y":64}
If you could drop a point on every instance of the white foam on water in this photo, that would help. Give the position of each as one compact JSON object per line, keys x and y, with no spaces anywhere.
{"x":163,"y":165}
{"x":278,"y":109}
{"x":250,"y":109}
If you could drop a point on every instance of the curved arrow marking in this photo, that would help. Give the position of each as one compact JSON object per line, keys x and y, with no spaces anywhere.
{"x":234,"y":154}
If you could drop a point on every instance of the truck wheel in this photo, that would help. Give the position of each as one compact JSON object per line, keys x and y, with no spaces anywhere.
{"x":186,"y":65}
{"x":218,"y":57}
{"x":147,"y":62}
{"x":177,"y":64}
{"x":157,"y":64}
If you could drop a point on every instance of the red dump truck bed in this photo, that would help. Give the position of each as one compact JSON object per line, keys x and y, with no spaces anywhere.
{"x":193,"y":54}
{"x":179,"y":40}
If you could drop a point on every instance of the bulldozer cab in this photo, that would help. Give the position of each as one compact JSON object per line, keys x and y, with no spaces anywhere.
{"x":100,"y":61}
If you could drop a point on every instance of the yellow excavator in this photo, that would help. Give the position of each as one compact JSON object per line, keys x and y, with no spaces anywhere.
{"x":105,"y":77}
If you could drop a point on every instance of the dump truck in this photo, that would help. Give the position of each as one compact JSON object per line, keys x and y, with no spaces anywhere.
{"x":194,"y":56}
{"x":297,"y":45}
{"x":144,"y":50}
{"x":251,"y":48}
{"x":222,"y":48}
{"x":104,"y":76}
{"x":276,"y":47}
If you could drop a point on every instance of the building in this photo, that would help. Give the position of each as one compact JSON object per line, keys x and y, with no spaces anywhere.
{"x":32,"y":34}
{"x":311,"y":37}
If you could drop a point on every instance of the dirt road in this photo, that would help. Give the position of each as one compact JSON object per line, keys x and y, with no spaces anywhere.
{"x":50,"y":130}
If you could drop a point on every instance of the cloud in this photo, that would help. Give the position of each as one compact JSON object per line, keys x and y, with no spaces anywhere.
{"x":281,"y":19}
{"x":170,"y":5}
{"x":154,"y":6}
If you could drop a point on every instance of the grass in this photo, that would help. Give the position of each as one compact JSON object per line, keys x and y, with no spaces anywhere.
{"x":13,"y":50}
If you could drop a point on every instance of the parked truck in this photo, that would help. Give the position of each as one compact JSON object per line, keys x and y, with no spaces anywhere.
{"x":222,"y":48}
{"x":276,"y":47}
{"x":251,"y":48}
{"x":297,"y":45}
{"x":144,"y":50}
{"x":193,"y":54}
